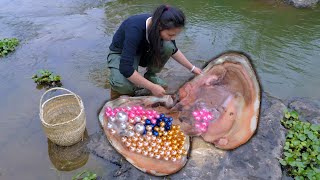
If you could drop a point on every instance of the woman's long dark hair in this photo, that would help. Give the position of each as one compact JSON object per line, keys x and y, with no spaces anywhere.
{"x":164,"y":17}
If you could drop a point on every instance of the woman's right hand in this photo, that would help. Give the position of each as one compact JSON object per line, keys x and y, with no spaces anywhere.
{"x":157,"y":90}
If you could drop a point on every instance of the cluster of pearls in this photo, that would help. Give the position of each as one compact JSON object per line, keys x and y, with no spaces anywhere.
{"x":202,"y":118}
{"x":146,"y":132}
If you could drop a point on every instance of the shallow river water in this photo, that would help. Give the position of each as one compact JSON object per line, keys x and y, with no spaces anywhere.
{"x":71,"y":38}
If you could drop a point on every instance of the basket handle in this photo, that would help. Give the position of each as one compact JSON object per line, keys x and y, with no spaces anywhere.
{"x":58,"y":88}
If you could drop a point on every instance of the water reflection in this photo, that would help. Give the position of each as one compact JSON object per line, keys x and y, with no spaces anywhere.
{"x":70,"y":157}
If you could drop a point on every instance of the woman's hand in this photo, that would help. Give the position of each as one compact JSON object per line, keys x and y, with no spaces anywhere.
{"x":157,"y":90}
{"x":197,"y":71}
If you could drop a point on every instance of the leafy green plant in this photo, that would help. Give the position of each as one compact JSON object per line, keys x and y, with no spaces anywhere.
{"x":47,"y":78}
{"x":85,"y":175}
{"x":301,"y":156}
{"x":8,"y":45}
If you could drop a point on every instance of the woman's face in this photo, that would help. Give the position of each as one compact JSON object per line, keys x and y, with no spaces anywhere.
{"x":170,"y":34}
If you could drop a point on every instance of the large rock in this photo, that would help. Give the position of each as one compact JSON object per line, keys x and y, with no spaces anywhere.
{"x":303,"y":3}
{"x":307,"y":109}
{"x":257,"y":159}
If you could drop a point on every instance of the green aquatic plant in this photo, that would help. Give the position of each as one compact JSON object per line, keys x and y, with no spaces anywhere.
{"x":47,"y":78}
{"x":85,"y":175}
{"x":8,"y":45}
{"x":301,"y":155}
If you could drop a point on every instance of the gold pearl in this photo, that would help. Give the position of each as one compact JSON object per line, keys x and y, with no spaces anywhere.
{"x":149,"y":148}
{"x":160,"y":133}
{"x":124,"y":139}
{"x":140,"y":144}
{"x":151,"y":154}
{"x":145,"y":143}
{"x":127,"y":144}
{"x":166,"y":143}
{"x":173,"y":159}
{"x":167,"y":153}
{"x":177,"y":126}
{"x":161,"y":152}
{"x":132,"y":149}
{"x":166,"y":158}
{"x":131,"y":120}
{"x":134,"y":144}
{"x":175,"y":147}
{"x":130,"y":127}
{"x":153,"y":144}
{"x":181,"y":134}
{"x":138,"y":134}
{"x":169,"y":137}
{"x":165,"y":133}
{"x":129,"y":139}
{"x":173,"y":152}
{"x":138,"y":150}
{"x":145,"y":153}
{"x":153,"y":138}
{"x":173,"y":141}
{"x":163,"y":148}
{"x":113,"y":131}
{"x":148,"y":138}
{"x":164,"y":138}
{"x":158,"y":146}
{"x":148,"y":127}
{"x":184,"y":152}
{"x":179,"y":151}
{"x":149,"y":133}
{"x":169,"y":148}
{"x":178,"y":157}
{"x":157,"y":156}
{"x":173,"y":127}
{"x":155,"y":150}
{"x":141,"y":139}
{"x":134,"y":138}
{"x":170,"y":132}
{"x":156,"y":128}
{"x":162,"y":129}
{"x":159,"y":140}
{"x":162,"y":124}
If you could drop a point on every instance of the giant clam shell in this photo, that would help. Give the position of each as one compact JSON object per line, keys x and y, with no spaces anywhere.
{"x":230,"y":87}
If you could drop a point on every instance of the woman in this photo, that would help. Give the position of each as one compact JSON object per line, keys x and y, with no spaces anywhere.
{"x":147,"y":41}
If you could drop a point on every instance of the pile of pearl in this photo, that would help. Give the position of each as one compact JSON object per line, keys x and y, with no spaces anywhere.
{"x":202,"y":118}
{"x":146,"y":132}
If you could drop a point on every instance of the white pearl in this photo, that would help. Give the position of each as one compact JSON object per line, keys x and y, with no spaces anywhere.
{"x":111,"y":119}
{"x":130,"y":133}
{"x":122,"y":125}
{"x":122,"y":116}
{"x":110,"y":125}
{"x":139,"y":128}
{"x":137,"y":119}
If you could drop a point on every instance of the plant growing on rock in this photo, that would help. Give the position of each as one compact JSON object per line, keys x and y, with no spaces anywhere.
{"x":301,"y":156}
{"x":85,"y":175}
{"x":8,"y":45}
{"x":47,"y":78}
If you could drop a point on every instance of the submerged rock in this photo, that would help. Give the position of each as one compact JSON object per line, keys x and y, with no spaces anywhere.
{"x":303,"y":3}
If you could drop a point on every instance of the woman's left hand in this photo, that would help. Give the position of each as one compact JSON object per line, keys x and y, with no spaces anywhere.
{"x":197,"y":71}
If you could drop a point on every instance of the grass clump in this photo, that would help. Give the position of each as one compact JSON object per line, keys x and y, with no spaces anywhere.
{"x":85,"y":175}
{"x":8,"y":45}
{"x":47,"y":78}
{"x":301,"y":156}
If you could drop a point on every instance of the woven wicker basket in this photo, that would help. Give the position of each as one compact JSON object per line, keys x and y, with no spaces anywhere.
{"x":63,"y":118}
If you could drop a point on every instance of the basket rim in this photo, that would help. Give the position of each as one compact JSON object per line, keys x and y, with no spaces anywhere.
{"x":58,"y":124}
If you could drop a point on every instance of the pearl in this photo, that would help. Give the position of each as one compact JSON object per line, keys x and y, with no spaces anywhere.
{"x":166,"y":158}
{"x":111,"y":119}
{"x":135,"y":138}
{"x":113,"y":131}
{"x":157,"y":156}
{"x":163,"y":148}
{"x":161,"y":152}
{"x":153,"y":144}
{"x":110,"y":125}
{"x":161,"y":128}
{"x":140,"y":144}
{"x":173,"y":159}
{"x":153,"y":121}
{"x":138,"y":134}
{"x":184,"y":152}
{"x":139,"y":128}
{"x":149,"y":148}
{"x":148,"y":127}
{"x":179,"y":151}
{"x":132,"y":149}
{"x":148,"y":138}
{"x":173,"y":152}
{"x":158,"y":146}
{"x":122,"y":125}
{"x":141,"y":139}
{"x":178,"y":157}
{"x":165,"y":133}
{"x":137,"y":119}
{"x":166,"y":143}
{"x":124,"y":139}
{"x":151,"y":154}
{"x":145,"y":153}
{"x":155,"y":150}
{"x":156,"y":128}
{"x":127,"y":144}
{"x":162,"y":124}
{"x":122,"y":116}
{"x":158,"y":140}
{"x":153,"y":138}
{"x":169,"y":148}
{"x":132,"y":121}
{"x":149,"y":133}
{"x":130,"y":126}
{"x":134,"y":144}
{"x":130,"y":133}
{"x":138,"y":150}
{"x":145,"y":143}
{"x":173,"y":127}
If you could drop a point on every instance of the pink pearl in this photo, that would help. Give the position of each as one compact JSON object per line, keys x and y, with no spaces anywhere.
{"x":204,"y":124}
{"x":112,"y":113}
{"x":203,"y":129}
{"x":204,"y":110}
{"x":143,"y":112}
{"x":134,"y":108}
{"x":157,"y":116}
{"x":198,"y":118}
{"x":153,"y":121}
{"x":198,"y":126}
{"x":154,"y":112}
{"x":150,"y":116}
{"x":139,"y":108}
{"x":205,"y":119}
{"x":209,"y":116}
{"x":195,"y":113}
{"x":108,"y":114}
{"x":148,"y":112}
{"x":131,"y":115}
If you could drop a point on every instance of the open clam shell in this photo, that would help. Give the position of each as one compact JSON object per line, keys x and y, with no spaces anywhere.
{"x":157,"y":167}
{"x":228,"y":87}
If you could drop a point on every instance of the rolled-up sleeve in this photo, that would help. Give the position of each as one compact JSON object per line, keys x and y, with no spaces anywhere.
{"x":133,"y":37}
